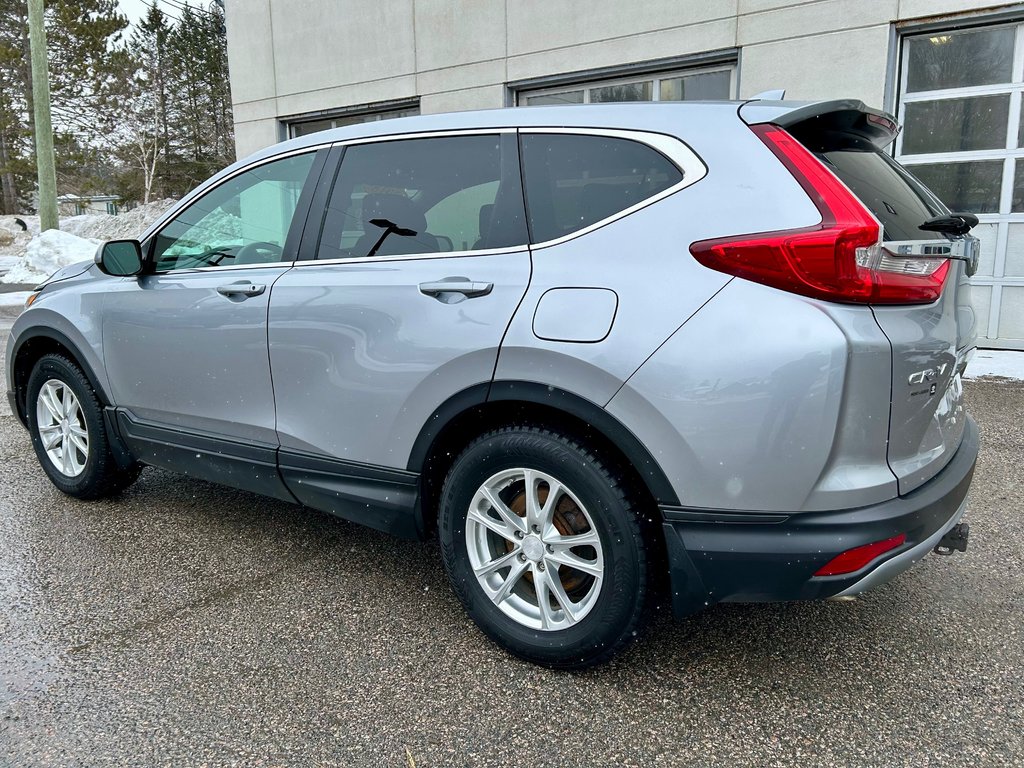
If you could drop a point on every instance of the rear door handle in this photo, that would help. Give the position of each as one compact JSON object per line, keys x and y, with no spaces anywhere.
{"x":241,"y":289}
{"x":465,"y":286}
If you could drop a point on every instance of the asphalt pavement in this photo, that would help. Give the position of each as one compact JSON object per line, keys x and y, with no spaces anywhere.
{"x":183,"y":624}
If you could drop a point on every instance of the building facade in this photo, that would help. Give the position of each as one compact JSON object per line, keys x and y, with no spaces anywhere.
{"x":951,"y":70}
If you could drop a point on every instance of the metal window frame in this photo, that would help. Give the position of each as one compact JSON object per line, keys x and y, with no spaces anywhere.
{"x":1010,"y":154}
{"x":655,"y":70}
{"x":357,"y":110}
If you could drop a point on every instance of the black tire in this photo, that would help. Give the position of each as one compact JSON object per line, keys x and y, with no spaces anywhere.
{"x":616,"y":614}
{"x":100,"y":476}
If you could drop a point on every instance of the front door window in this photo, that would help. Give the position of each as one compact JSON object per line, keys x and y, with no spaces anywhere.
{"x":243,"y":221}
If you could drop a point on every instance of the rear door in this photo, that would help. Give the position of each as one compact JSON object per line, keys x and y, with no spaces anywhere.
{"x":421,"y":262}
{"x":929,"y":342}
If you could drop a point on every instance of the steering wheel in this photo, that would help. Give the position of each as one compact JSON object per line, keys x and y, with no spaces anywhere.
{"x":258,"y":253}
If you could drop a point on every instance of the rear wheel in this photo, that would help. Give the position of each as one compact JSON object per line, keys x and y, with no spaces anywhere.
{"x":544,"y":548}
{"x":68,"y":433}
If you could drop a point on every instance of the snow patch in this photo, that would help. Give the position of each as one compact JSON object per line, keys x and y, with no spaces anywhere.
{"x":999,"y":363}
{"x":48,"y":252}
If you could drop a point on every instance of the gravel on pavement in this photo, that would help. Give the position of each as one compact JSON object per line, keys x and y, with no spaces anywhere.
{"x":184,"y":624}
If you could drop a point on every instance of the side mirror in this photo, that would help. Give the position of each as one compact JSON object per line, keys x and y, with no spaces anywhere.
{"x":120,"y":258}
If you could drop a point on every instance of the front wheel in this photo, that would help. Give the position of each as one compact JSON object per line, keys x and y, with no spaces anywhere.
{"x":544,"y":547}
{"x":68,"y":434}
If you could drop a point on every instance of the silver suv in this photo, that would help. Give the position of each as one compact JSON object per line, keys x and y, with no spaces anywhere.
{"x":713,"y":346}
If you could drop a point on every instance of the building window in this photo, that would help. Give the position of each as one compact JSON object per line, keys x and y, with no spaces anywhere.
{"x":708,"y":83}
{"x":960,"y":107}
{"x":307,"y":124}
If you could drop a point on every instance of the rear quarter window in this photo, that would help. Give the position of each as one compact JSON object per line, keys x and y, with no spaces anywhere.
{"x":575,"y":180}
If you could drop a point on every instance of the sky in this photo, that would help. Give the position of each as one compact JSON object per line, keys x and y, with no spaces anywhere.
{"x":134,"y":9}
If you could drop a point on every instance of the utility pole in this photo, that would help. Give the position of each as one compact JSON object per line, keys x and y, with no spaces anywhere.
{"x":45,"y":165}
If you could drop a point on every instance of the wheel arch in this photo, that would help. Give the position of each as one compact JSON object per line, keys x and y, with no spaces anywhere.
{"x":33,"y":344}
{"x":483,"y":407}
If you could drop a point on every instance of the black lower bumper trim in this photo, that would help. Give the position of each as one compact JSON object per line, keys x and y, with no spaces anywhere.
{"x":717,"y":556}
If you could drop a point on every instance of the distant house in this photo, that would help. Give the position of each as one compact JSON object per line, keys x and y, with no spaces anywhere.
{"x":76,"y":205}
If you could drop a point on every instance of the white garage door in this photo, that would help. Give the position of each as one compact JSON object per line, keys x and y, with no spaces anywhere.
{"x":960,"y":107}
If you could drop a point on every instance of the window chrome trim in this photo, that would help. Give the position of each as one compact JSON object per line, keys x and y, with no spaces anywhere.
{"x":675,"y":149}
{"x":284,"y":265}
{"x":415,"y":256}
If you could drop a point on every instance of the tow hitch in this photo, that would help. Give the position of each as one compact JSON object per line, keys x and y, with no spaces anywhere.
{"x":955,"y":540}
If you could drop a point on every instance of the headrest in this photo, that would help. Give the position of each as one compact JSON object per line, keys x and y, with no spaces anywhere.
{"x":398,"y":209}
{"x":486,"y":211}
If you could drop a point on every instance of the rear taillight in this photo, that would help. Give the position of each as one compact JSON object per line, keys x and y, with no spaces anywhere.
{"x":840,"y":259}
{"x":853,"y":560}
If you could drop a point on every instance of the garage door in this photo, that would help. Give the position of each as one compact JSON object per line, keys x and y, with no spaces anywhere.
{"x":960,"y":107}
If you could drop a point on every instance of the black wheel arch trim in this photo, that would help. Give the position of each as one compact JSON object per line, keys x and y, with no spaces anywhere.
{"x":552,"y":397}
{"x":45,"y":332}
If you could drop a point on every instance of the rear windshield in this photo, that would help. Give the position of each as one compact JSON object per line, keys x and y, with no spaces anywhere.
{"x":898,"y":200}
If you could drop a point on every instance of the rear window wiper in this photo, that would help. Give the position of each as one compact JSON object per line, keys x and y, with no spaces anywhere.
{"x":951,"y":224}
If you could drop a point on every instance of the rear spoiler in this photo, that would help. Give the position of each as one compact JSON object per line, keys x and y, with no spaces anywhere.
{"x":841,"y":116}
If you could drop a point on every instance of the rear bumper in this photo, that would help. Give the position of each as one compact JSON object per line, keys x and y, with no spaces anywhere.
{"x":717,"y":556}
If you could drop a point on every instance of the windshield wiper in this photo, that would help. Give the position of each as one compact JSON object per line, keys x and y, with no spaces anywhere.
{"x":389,"y":228}
{"x":951,"y":224}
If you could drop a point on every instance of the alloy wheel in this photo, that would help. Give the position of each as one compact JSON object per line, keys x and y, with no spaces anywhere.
{"x":62,"y":428}
{"x":534,"y":549}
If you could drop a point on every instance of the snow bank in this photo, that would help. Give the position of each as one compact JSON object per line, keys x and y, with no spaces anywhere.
{"x":48,"y":252}
{"x":126,"y":225}
{"x":27,"y":260}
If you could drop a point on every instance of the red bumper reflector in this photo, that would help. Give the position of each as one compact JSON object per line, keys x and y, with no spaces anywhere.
{"x":854,"y":559}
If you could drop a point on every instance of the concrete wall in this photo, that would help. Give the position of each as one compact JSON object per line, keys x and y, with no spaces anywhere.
{"x":289,"y":57}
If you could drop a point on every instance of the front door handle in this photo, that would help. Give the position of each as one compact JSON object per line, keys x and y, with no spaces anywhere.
{"x":241,"y":289}
{"x":465,"y":286}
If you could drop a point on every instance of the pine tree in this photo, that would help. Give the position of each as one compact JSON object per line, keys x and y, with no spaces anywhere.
{"x":80,"y":34}
{"x":148,"y":113}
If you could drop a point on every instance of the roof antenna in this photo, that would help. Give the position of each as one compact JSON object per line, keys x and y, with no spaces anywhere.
{"x":777,"y":95}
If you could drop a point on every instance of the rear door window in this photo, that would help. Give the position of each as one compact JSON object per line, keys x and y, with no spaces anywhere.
{"x":423,"y":196}
{"x":575,"y":180}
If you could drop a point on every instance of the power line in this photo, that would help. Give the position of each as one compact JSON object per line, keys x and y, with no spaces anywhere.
{"x":180,"y":6}
{"x":164,"y":12}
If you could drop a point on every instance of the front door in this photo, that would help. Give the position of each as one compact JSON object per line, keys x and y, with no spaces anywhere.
{"x":422,"y":262}
{"x":185,"y":344}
